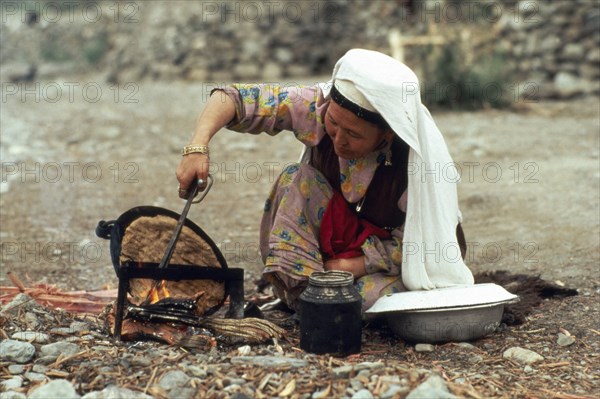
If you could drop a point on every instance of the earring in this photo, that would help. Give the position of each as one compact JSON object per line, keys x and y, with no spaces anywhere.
{"x":388,"y":157}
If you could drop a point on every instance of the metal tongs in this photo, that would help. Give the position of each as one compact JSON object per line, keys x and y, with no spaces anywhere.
{"x":194,"y":198}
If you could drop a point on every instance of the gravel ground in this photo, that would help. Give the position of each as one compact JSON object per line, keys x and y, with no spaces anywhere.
{"x":529,"y":196}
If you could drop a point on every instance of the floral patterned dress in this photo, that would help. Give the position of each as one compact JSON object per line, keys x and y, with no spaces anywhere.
{"x":289,"y":235}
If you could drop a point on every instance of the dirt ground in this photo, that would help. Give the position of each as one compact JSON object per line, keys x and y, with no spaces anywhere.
{"x":529,"y":193}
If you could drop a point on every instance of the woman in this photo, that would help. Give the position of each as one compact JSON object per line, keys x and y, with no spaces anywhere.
{"x":365,"y":197}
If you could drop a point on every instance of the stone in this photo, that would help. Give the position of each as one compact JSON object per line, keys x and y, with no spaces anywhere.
{"x":198,"y":74}
{"x":57,"y":348}
{"x":32,"y":320}
{"x":363,"y":394}
{"x":16,"y":351}
{"x":114,"y":392}
{"x":522,"y":355}
{"x":12,"y":383}
{"x":284,"y":55}
{"x":550,"y":44}
{"x":368,"y":366}
{"x":433,"y":388}
{"x":196,"y":371}
{"x":424,"y":348}
{"x":174,"y":379}
{"x":19,"y":302}
{"x":528,"y":369}
{"x":247,"y":71}
{"x":35,"y":377}
{"x":342,"y":371}
{"x":356,"y":385}
{"x":568,"y":85}
{"x":17,"y":72}
{"x":594,"y":56}
{"x":271,"y":70}
{"x":565,"y":340}
{"x":573,"y":52}
{"x":31,"y":336}
{"x":16,"y":369}
{"x":39,"y":368}
{"x":55,"y":389}
{"x":394,"y":391}
{"x":466,"y":345}
{"x":269,"y":361}
{"x":79,"y":326}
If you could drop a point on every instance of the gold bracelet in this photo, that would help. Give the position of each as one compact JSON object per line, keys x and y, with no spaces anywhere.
{"x":190,"y":149}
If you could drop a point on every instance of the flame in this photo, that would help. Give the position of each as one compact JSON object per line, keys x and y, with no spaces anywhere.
{"x":155,"y":294}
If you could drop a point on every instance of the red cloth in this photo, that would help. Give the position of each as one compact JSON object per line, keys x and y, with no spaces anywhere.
{"x":343,"y":232}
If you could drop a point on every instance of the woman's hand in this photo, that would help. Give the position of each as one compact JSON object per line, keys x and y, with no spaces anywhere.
{"x":191,"y":168}
{"x":356,"y":266}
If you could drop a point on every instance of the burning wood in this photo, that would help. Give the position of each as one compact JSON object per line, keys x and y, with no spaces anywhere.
{"x":144,"y":242}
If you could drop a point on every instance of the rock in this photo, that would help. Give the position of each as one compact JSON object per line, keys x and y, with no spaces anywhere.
{"x":31,"y":336}
{"x":20,"y":302}
{"x":114,"y":392}
{"x":342,"y":371}
{"x":565,"y":340}
{"x":393,"y":391}
{"x":466,"y":345}
{"x":433,"y":388}
{"x":12,"y":383}
{"x":568,"y":85}
{"x":16,"y":351}
{"x":17,"y":72}
{"x":62,"y":389}
{"x":32,"y":320}
{"x":522,"y":355}
{"x":79,"y":326}
{"x":16,"y":369}
{"x":12,"y":395}
{"x":368,"y":366}
{"x":363,"y":394}
{"x":593,"y":56}
{"x":35,"y":377}
{"x":356,"y":385}
{"x":271,"y":70}
{"x":244,"y":350}
{"x":57,"y":348}
{"x":528,"y":369}
{"x":38,"y":368}
{"x":284,"y":55}
{"x":247,"y":71}
{"x":424,"y":348}
{"x":269,"y":361}
{"x":573,"y":52}
{"x":174,"y":379}
{"x":196,"y":371}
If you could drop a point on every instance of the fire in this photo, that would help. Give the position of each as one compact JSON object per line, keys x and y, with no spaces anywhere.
{"x":155,"y":294}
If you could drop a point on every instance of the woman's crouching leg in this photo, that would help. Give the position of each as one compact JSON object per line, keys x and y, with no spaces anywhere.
{"x":289,"y":234}
{"x":286,"y":288}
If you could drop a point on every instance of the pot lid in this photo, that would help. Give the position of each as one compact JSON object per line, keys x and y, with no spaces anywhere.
{"x":441,"y":298}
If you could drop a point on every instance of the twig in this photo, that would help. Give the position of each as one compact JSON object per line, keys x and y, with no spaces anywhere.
{"x":151,"y":378}
{"x":64,"y":359}
{"x":595,"y":331}
{"x":553,"y":365}
{"x":16,"y":281}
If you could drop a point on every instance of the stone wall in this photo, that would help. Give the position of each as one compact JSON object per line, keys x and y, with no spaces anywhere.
{"x":555,"y":44}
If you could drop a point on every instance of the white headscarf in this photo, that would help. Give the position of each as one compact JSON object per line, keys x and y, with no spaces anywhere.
{"x":431,"y":255}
